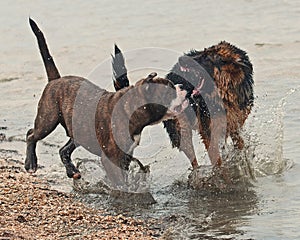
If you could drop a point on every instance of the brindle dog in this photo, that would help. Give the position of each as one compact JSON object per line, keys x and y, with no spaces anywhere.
{"x":85,"y":110}
{"x":219,"y":83}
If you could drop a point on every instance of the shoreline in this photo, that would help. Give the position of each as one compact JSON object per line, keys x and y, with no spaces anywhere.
{"x":29,"y":207}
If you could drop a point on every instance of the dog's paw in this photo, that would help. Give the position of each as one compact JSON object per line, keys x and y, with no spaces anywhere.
{"x":31,"y":170}
{"x":31,"y":165}
{"x":73,"y":172}
{"x":76,"y":175}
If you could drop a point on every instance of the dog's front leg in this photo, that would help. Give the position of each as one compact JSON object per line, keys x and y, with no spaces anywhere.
{"x":115,"y":171}
{"x":217,"y":136}
{"x":180,"y":132}
{"x":145,"y":169}
{"x":137,"y":139}
{"x":65,"y":155}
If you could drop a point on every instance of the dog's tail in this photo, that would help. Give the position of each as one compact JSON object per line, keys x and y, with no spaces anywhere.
{"x":119,"y":70}
{"x":52,"y":71}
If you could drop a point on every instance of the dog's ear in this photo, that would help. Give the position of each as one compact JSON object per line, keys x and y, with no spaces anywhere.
{"x":241,"y":62}
{"x":151,"y":76}
{"x":149,"y":79}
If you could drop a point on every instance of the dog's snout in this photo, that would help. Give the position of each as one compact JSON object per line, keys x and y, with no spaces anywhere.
{"x":180,"y":86}
{"x":181,"y":92}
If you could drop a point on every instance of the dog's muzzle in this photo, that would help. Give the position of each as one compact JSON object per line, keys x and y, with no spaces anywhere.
{"x":180,"y":103}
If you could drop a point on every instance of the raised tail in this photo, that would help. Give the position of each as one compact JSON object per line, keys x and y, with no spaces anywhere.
{"x":119,"y":70}
{"x":51,"y":69}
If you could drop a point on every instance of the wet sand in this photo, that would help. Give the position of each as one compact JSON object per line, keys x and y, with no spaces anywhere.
{"x":28,"y":207}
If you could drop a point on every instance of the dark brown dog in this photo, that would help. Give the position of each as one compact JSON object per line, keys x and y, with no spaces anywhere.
{"x":105,"y":123}
{"x":220,"y":91}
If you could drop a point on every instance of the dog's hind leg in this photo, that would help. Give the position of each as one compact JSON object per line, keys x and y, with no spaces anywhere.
{"x":34,"y":135}
{"x":116,"y":170}
{"x":144,"y":169}
{"x":214,"y":138}
{"x":45,"y":122}
{"x":31,"y":159}
{"x":137,"y":139}
{"x":65,"y":155}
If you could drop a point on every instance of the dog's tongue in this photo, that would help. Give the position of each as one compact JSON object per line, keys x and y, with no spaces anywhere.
{"x":196,"y":92}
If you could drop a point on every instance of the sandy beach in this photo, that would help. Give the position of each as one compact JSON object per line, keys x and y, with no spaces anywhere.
{"x":29,"y":209}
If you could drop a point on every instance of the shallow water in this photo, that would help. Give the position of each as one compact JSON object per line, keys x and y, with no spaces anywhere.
{"x":81,"y":36}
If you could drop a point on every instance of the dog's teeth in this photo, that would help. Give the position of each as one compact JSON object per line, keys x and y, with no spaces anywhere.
{"x":183,"y":69}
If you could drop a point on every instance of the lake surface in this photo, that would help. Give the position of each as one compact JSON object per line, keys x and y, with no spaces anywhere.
{"x":81,"y":37}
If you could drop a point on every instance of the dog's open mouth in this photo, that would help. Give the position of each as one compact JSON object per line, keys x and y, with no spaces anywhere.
{"x":194,"y":69}
{"x":184,"y":69}
{"x":198,"y":88}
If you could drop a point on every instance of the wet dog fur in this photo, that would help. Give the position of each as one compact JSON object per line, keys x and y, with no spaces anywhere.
{"x":218,"y":76}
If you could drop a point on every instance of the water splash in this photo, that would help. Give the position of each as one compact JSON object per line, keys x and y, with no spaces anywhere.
{"x":94,"y":181}
{"x":263,"y":154}
{"x":236,"y":173}
{"x":266,"y":131}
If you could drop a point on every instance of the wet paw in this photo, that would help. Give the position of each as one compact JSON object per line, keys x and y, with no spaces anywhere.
{"x":31,"y":171}
{"x":73,"y":172}
{"x":30,"y":166}
{"x":76,"y":175}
